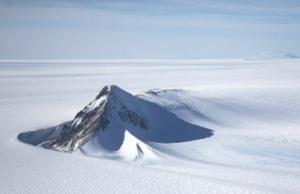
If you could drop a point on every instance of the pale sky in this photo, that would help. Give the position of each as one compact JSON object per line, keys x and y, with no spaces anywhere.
{"x":147,"y":29}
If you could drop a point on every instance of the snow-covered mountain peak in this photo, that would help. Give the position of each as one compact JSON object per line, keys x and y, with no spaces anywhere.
{"x":116,"y":122}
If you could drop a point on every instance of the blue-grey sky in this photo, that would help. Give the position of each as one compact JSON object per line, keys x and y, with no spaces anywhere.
{"x":139,"y":29}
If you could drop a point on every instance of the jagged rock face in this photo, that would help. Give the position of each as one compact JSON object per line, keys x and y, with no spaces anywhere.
{"x":112,"y":102}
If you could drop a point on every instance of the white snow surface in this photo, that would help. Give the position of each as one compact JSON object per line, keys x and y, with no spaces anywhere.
{"x":253,"y":107}
{"x":132,"y":150}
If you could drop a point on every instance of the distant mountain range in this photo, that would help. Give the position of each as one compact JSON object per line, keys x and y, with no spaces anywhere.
{"x":265,"y":55}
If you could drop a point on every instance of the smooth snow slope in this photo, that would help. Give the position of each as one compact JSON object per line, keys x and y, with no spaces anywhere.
{"x":253,"y":108}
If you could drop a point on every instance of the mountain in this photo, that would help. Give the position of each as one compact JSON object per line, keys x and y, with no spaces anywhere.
{"x":265,"y":55}
{"x":118,"y":124}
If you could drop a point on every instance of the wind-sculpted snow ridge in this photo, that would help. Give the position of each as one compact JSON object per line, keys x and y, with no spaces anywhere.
{"x":118,"y":125}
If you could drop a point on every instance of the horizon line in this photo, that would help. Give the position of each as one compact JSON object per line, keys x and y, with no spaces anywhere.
{"x":108,"y":60}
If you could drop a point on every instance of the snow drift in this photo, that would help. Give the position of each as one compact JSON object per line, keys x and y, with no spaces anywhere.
{"x":117,"y":125}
